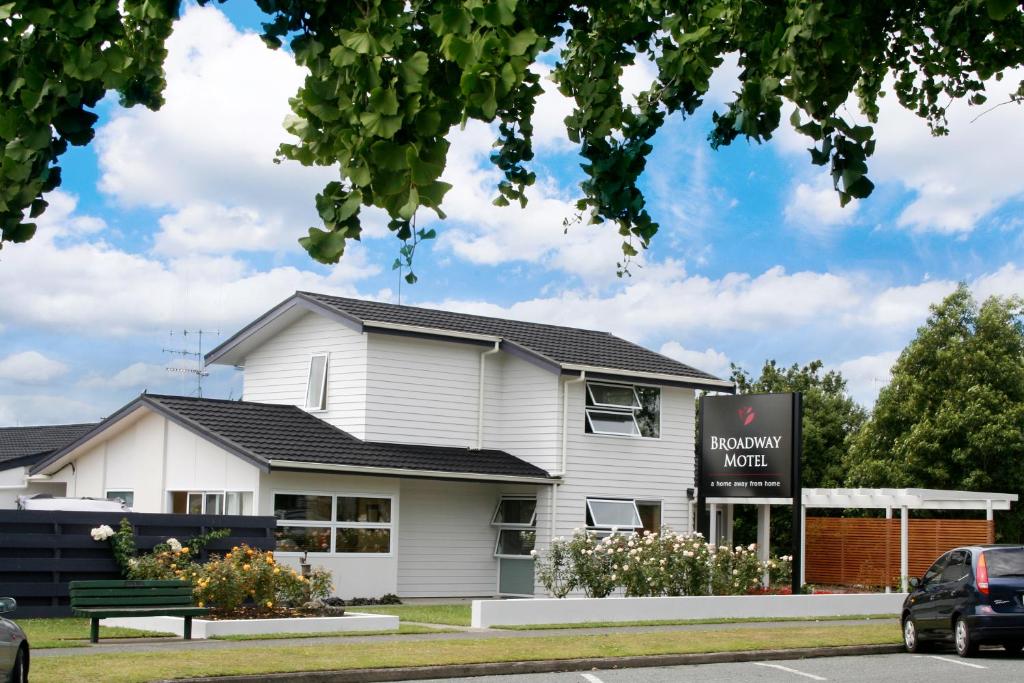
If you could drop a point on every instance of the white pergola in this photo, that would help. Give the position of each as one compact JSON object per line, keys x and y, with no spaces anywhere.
{"x":904,"y":500}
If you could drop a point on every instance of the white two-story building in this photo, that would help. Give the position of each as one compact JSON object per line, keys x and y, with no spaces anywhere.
{"x":411,"y":451}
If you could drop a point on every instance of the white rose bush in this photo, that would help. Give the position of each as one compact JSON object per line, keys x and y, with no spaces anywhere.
{"x":101,"y":533}
{"x":653,"y":564}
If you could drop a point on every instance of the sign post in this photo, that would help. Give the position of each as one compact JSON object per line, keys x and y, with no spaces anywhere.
{"x":750,"y":451}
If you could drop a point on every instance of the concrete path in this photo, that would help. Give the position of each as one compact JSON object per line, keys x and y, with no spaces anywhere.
{"x":111,"y":645}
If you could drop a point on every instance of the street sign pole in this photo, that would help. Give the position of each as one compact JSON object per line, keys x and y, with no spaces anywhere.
{"x":798,"y":499}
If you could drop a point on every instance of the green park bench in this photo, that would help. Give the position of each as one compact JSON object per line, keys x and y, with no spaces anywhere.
{"x":101,"y":599}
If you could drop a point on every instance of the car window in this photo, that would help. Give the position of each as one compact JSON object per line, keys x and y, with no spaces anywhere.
{"x":1005,"y":562}
{"x":956,"y":568}
{"x":935,"y":571}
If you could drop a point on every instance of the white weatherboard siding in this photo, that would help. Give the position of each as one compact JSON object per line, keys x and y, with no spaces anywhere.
{"x":523,"y":413}
{"x":151,"y":456}
{"x":446,"y":539}
{"x":355,"y":575}
{"x":278,"y":370}
{"x":630,"y":467}
{"x":422,"y":391}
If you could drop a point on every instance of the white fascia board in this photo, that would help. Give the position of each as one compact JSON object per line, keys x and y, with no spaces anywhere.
{"x":429,"y":331}
{"x":633,"y":374}
{"x":402,"y":472}
{"x":748,"y":501}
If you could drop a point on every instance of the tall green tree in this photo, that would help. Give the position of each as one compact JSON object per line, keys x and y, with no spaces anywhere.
{"x":831,"y":417}
{"x":388,"y":80}
{"x":953,"y":415}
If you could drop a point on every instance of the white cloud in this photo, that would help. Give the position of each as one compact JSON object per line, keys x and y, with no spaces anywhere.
{"x":815,"y":207}
{"x":135,"y":376}
{"x":207,"y":155}
{"x":95,"y":289}
{"x":955,"y":180}
{"x":30,"y":367}
{"x":866,"y":375}
{"x":1007,"y":281}
{"x":45,"y":409}
{"x":901,"y":307}
{"x":708,"y":360}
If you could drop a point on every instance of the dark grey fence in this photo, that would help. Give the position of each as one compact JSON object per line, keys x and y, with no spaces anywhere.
{"x":41,"y":551}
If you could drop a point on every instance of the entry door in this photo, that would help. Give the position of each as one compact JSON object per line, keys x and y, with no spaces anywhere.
{"x":515,"y":576}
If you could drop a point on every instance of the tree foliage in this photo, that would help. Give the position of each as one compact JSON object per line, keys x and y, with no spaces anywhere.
{"x":388,"y":80}
{"x":953,"y":415}
{"x":831,"y":417}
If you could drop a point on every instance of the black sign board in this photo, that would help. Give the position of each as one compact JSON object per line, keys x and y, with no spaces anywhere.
{"x":748,"y":446}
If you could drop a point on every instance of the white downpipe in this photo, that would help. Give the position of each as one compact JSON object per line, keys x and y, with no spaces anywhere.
{"x":565,"y":420}
{"x":480,"y":396}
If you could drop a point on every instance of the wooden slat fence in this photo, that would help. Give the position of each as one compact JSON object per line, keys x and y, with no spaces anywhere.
{"x":41,"y":551}
{"x":857,"y":551}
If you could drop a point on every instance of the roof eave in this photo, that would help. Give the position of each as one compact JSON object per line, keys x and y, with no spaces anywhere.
{"x":720,"y":385}
{"x":406,"y":472}
{"x":300,"y":300}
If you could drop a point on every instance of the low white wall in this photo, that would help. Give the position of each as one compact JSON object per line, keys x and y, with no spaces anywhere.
{"x":207,"y":628}
{"x":487,"y":613}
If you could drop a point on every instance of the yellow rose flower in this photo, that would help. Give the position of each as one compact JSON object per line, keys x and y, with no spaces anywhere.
{"x":184,"y":550}
{"x":245,"y":567}
{"x":201,"y":604}
{"x":269,"y":603}
{"x":277,"y":570}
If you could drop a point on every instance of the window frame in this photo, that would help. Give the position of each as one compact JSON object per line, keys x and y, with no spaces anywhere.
{"x":660,"y":503}
{"x":514,"y":525}
{"x":502,"y":527}
{"x":322,"y":406}
{"x":203,"y":493}
{"x":613,"y":527}
{"x":334,"y":525}
{"x":129,"y":491}
{"x":597,"y":404}
{"x":615,"y":409}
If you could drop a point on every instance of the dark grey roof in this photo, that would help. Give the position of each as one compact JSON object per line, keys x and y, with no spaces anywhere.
{"x":563,"y":345}
{"x":261,"y":432}
{"x":28,"y":445}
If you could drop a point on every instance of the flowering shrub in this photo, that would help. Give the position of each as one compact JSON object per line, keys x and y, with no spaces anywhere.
{"x":225,"y":583}
{"x":101,"y":533}
{"x":555,"y":568}
{"x":652,"y":565}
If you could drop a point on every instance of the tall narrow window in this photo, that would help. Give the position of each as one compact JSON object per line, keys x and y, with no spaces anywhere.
{"x":316,"y":388}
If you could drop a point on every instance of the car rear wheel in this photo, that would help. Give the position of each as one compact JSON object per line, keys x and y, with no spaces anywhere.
{"x":965,"y":644}
{"x":911,"y":641}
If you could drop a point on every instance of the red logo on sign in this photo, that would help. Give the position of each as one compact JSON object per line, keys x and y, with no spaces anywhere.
{"x":747,"y":415}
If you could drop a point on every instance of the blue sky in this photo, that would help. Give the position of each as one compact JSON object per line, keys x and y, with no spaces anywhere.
{"x":179,"y":220}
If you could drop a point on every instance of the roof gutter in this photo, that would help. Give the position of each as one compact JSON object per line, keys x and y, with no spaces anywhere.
{"x":697,"y":382}
{"x":399,"y":471}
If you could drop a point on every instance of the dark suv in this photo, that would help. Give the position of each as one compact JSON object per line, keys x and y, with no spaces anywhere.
{"x":972,"y":595}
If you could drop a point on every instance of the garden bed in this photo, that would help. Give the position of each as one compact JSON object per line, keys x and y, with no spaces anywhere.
{"x":208,"y":628}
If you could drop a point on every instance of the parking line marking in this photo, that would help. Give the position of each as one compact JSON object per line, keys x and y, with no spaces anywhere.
{"x":792,"y":671}
{"x":957,"y":661}
{"x":592,"y":678}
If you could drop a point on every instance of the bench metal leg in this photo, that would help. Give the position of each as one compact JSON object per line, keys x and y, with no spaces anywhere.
{"x":188,"y":628}
{"x":94,"y":630}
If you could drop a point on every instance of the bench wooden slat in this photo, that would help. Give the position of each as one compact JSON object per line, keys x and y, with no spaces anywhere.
{"x":149,"y":583}
{"x":104,"y":612}
{"x":132,"y":600}
{"x":140,"y":592}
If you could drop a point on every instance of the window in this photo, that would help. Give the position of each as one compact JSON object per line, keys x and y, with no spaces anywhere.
{"x":515,"y":511}
{"x":650,"y":515}
{"x":126,"y":497}
{"x":1004,"y":562}
{"x":316,"y":387}
{"x":603,"y":513}
{"x":514,"y":518}
{"x":211,"y":502}
{"x":957,"y":568}
{"x":623,"y":410}
{"x":324,"y":523}
{"x":935,"y":571}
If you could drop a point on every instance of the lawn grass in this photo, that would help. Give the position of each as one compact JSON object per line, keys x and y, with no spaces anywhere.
{"x":403,"y":629}
{"x":74,"y":632}
{"x":138,"y":667}
{"x":451,"y":614}
{"x":688,"y":622}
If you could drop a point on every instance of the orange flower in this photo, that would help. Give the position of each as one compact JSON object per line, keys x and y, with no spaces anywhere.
{"x":245,"y":567}
{"x":184,"y":550}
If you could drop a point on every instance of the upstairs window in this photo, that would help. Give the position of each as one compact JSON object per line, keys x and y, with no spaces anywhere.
{"x":316,"y":387}
{"x":623,"y":410}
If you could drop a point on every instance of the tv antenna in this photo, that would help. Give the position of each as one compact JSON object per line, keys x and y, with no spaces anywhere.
{"x":198,"y":370}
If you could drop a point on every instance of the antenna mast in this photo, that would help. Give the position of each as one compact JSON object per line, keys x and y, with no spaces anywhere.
{"x":199,"y":370}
